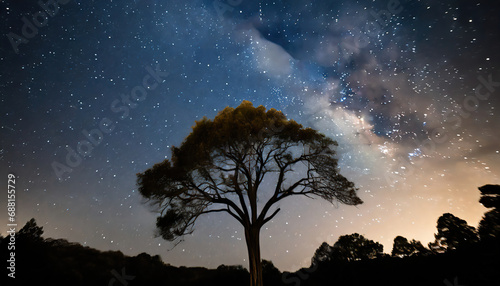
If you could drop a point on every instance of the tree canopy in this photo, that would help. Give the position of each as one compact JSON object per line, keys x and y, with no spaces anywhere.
{"x":402,"y":247}
{"x":355,"y":246}
{"x":453,"y":233}
{"x":223,"y":162}
{"x":31,"y":231}
{"x":322,"y":254}
{"x":489,"y":226}
{"x":350,"y":247}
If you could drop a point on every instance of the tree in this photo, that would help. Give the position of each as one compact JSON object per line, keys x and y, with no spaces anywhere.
{"x":453,"y":233}
{"x":348,"y":248}
{"x":489,"y":226}
{"x":322,"y":254}
{"x":31,"y":231}
{"x":271,"y":274}
{"x":221,"y":164}
{"x":402,"y":247}
{"x":356,"y":247}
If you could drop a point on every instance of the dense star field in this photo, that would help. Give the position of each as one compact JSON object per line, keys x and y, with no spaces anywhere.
{"x":96,"y":91}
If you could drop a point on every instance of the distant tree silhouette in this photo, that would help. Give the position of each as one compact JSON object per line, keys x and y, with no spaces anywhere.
{"x":271,"y":274}
{"x":223,"y":267}
{"x":322,"y":254}
{"x":489,"y":226}
{"x":348,"y":248}
{"x":31,"y":231}
{"x":268,"y":267}
{"x":402,"y":247}
{"x":356,"y":247}
{"x":220,"y":166}
{"x":453,"y":233}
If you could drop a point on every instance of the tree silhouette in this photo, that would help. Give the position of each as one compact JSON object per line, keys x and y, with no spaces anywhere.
{"x":322,"y":254}
{"x":489,"y":226}
{"x":356,"y":247}
{"x":221,"y":164}
{"x":402,"y":247}
{"x":31,"y":231}
{"x":453,"y":233}
{"x":348,"y":248}
{"x":271,"y":274}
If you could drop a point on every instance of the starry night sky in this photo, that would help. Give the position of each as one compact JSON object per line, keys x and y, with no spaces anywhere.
{"x":409,"y":89}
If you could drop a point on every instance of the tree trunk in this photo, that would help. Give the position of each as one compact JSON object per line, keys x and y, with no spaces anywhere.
{"x":252,"y":234}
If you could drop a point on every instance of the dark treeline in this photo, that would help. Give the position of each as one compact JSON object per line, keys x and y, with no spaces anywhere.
{"x":476,"y":265}
{"x":57,"y":262}
{"x":460,"y":255}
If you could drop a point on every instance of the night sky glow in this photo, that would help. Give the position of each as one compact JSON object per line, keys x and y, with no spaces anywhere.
{"x":409,"y":89}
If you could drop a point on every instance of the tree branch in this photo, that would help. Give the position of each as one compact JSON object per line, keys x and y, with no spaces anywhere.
{"x":222,"y":210}
{"x":270,"y":217}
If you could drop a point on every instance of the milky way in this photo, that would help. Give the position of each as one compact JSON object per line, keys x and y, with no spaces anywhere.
{"x":94,"y":92}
